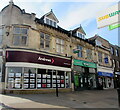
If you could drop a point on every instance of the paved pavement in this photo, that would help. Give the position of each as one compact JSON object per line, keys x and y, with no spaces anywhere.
{"x":80,"y":99}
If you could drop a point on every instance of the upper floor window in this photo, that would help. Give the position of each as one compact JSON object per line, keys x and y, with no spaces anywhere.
{"x":51,"y":22}
{"x":80,"y":54}
{"x":99,"y":43}
{"x":80,"y":35}
{"x":44,"y":41}
{"x":60,"y":45}
{"x":99,"y":57}
{"x":89,"y":53}
{"x":118,"y":64}
{"x":112,"y":50}
{"x":116,"y":52}
{"x":1,"y":35}
{"x":20,"y":36}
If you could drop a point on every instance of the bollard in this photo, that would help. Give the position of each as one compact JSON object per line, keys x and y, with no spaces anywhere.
{"x":118,"y":91}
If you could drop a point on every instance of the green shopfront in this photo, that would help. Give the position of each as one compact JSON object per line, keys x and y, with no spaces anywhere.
{"x":84,"y":75}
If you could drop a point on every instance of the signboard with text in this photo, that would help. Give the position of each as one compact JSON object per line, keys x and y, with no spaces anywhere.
{"x":108,"y":16}
{"x":38,"y":58}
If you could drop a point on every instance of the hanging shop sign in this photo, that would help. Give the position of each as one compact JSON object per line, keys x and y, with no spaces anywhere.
{"x":30,"y":57}
{"x":106,"y":60}
{"x":108,"y":16}
{"x":111,"y":27}
{"x":105,"y":74}
{"x":84,"y":63}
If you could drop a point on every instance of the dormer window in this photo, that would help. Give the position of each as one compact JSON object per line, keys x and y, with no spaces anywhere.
{"x":99,"y":43}
{"x":80,"y":35}
{"x":51,"y":22}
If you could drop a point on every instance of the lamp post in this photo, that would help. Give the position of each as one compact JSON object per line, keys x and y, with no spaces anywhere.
{"x":56,"y":86}
{"x":118,"y":91}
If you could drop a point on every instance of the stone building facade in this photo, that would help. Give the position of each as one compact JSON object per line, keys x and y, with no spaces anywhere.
{"x":104,"y":64}
{"x":115,"y":55}
{"x":31,"y":59}
{"x":37,"y":55}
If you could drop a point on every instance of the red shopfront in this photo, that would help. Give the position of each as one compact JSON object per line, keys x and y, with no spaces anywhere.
{"x":29,"y":70}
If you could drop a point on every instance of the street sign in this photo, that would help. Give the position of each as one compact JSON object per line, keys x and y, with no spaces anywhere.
{"x":108,"y":16}
{"x":111,"y":27}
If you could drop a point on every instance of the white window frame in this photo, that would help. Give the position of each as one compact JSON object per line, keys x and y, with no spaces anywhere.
{"x":53,"y":21}
{"x":45,"y":40}
{"x":89,"y":54}
{"x":82,"y":36}
{"x":60,"y":44}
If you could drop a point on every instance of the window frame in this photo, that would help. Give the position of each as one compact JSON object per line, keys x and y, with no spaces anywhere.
{"x":80,"y":54}
{"x":51,"y":22}
{"x":60,"y":44}
{"x":89,"y":54}
{"x":1,"y":36}
{"x":100,"y":57}
{"x":45,"y":40}
{"x":20,"y":35}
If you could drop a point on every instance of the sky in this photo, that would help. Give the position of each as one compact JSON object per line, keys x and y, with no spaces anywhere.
{"x":71,"y":14}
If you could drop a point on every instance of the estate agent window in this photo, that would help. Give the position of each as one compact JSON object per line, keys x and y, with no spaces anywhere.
{"x":44,"y":41}
{"x":60,"y":45}
{"x":1,"y":35}
{"x":20,"y":36}
{"x":32,"y":78}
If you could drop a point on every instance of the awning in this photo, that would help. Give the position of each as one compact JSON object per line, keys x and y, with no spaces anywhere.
{"x":105,"y":74}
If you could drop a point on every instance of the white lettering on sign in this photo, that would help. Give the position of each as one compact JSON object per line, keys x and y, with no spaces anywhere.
{"x":45,"y":59}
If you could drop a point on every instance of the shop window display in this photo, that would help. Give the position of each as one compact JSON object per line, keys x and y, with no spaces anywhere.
{"x":29,"y":78}
{"x":32,"y":78}
{"x":14,"y":78}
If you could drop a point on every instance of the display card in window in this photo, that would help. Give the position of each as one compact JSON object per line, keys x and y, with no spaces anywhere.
{"x":26,"y":80}
{"x":39,"y":80}
{"x":62,"y":85}
{"x":32,"y":75}
{"x":48,"y":76}
{"x":48,"y":85}
{"x":48,"y":81}
{"x":10,"y":79}
{"x":39,"y":85}
{"x":11,"y":74}
{"x":39,"y":75}
{"x":44,"y":76}
{"x":17,"y":80}
{"x":32,"y":80}
{"x":32,"y":85}
{"x":44,"y":85}
{"x":54,"y":85}
{"x":43,"y":80}
{"x":26,"y":75}
{"x":26,"y":86}
{"x":17,"y":86}
{"x":18,"y":74}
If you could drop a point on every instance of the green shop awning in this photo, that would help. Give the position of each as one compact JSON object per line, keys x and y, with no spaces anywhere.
{"x":84,"y":63}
